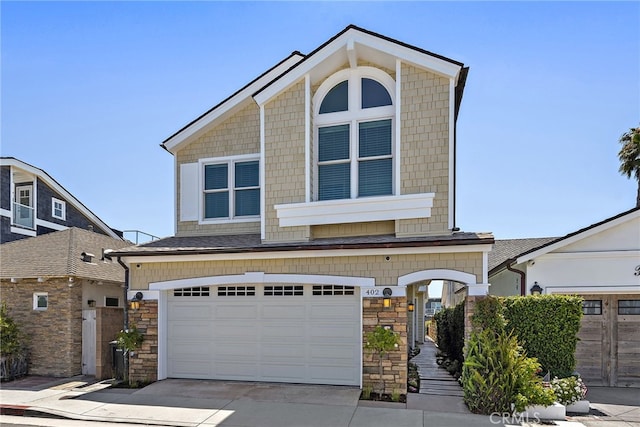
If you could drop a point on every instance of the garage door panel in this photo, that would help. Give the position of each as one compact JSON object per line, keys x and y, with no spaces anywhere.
{"x":282,"y":338}
{"x":189,"y":330}
{"x":274,"y":352}
{"x":278,"y":332}
{"x":190,"y":312}
{"x":237,"y":311}
{"x":335,"y":332}
{"x":274,"y":311}
{"x":235,"y":370}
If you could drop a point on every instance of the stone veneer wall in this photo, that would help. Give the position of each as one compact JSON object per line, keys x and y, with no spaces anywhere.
{"x":394,"y":367}
{"x":54,"y":335}
{"x":109,"y":321}
{"x":143,"y":363}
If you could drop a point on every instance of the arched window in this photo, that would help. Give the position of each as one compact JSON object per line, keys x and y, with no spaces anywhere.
{"x":354,"y":122}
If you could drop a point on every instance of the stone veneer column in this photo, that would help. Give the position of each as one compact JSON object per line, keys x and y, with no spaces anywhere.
{"x":143,"y":364}
{"x":395,"y":365}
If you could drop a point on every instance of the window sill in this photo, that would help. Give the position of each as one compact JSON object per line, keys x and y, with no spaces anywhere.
{"x":409,"y":206}
{"x":229,"y":220}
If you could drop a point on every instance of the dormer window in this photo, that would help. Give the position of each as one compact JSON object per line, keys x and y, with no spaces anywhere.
{"x":354,"y":134}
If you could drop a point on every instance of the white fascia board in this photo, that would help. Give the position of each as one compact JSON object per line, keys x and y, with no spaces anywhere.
{"x":237,"y":100}
{"x":354,"y":36}
{"x":576,"y":238}
{"x":572,"y":290}
{"x":313,"y":253}
{"x":68,"y":197}
{"x":386,"y":208}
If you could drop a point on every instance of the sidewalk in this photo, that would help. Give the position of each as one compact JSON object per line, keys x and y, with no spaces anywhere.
{"x":202,"y":403}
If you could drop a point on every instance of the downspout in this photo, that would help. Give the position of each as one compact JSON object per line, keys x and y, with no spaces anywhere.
{"x":523,"y":275}
{"x":125,"y":361}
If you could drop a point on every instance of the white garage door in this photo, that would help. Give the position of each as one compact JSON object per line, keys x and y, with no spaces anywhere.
{"x":280,"y":333}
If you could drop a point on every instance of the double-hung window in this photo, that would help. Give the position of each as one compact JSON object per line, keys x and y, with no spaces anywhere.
{"x":231,"y":189}
{"x":355,"y":122}
{"x":58,"y":208}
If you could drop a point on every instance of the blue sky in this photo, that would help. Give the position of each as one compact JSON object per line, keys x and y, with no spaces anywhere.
{"x":90,"y":90}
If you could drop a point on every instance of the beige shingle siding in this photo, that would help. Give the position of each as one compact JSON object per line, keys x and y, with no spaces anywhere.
{"x":385,"y":272}
{"x":285,"y":160}
{"x":355,"y":229}
{"x":425,"y":147}
{"x":239,"y":134}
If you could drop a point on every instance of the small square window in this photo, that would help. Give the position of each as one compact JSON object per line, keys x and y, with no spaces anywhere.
{"x":58,"y":209}
{"x":40,"y":301}
{"x":111,"y":302}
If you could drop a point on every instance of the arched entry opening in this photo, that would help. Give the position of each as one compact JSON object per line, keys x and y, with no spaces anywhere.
{"x":456,"y":286}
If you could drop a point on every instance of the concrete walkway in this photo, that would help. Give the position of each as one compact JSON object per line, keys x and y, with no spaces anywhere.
{"x":203,"y":403}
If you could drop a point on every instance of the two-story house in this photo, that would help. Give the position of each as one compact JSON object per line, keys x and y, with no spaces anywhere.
{"x":32,"y":203}
{"x":313,"y":204}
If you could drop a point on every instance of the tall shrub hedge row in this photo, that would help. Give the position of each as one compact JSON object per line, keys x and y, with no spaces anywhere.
{"x":547,"y":327}
{"x":450,"y":326}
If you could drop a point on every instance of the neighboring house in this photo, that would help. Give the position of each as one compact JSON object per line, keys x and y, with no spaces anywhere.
{"x":600,"y":263}
{"x":432,"y":306}
{"x":66,"y":297}
{"x":312,"y":205}
{"x":32,"y":203}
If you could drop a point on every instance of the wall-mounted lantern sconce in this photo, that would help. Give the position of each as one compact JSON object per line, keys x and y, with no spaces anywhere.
{"x":91,"y":303}
{"x":536,"y":289}
{"x":386,"y":293}
{"x":411,"y":307}
{"x":135,"y":302}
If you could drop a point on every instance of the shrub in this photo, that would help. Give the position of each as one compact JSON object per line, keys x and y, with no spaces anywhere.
{"x":497,"y":373}
{"x":450,"y":326}
{"x":568,"y":390}
{"x":11,"y":338}
{"x":381,"y":341}
{"x":489,"y":314}
{"x":547,"y":327}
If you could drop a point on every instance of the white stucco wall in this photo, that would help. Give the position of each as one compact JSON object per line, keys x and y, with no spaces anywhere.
{"x":505,"y":283}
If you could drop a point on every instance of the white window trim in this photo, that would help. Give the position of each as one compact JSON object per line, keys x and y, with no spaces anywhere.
{"x":35,"y":300}
{"x":63,"y":208}
{"x":230,"y":161}
{"x":355,"y":115}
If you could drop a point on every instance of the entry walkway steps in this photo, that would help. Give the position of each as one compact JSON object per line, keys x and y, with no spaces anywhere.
{"x":434,"y":380}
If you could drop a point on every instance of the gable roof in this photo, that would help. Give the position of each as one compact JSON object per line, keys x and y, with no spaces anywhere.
{"x":59,"y":254}
{"x":522,"y":250}
{"x":341,"y":48}
{"x":69,"y":198}
{"x":200,"y":125}
{"x":507,"y":250}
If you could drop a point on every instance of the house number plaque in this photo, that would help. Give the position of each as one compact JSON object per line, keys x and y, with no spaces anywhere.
{"x":387,"y":292}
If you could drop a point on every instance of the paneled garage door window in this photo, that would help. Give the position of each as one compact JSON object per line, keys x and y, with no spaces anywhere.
{"x":236,"y":291}
{"x":199,"y":291}
{"x":332,"y":290}
{"x":284,"y":290}
{"x":629,"y":306}
{"x":592,"y":307}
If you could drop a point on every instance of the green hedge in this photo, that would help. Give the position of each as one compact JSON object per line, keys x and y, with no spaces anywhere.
{"x":547,"y":327}
{"x":450,"y":326}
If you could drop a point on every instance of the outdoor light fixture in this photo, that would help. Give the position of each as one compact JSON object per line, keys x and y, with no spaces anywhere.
{"x":386,"y":302}
{"x":536,"y":289}
{"x":135,"y":302}
{"x":410,"y":307}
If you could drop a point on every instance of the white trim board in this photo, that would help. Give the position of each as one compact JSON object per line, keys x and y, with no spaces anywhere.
{"x":307,"y":254}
